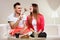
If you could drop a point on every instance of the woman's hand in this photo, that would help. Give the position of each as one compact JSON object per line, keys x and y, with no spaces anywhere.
{"x":39,"y":31}
{"x":32,"y":30}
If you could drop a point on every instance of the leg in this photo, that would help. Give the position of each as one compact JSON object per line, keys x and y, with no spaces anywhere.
{"x":17,"y":35}
{"x":32,"y":35}
{"x":42,"y":34}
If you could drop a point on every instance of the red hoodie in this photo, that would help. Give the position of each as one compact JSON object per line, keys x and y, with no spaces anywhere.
{"x":40,"y":22}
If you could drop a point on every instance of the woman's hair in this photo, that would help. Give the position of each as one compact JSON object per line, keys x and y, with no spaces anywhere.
{"x":34,"y":5}
{"x":30,"y":19}
{"x":30,"y":13}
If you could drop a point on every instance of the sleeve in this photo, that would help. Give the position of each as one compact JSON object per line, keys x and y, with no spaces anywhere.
{"x":27,"y":22}
{"x":42,"y":22}
{"x":10,"y":19}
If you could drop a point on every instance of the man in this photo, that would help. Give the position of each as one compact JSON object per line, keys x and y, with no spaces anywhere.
{"x":35,"y":21}
{"x":17,"y":22}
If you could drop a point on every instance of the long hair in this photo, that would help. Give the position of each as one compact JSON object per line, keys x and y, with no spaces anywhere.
{"x":37,"y":10}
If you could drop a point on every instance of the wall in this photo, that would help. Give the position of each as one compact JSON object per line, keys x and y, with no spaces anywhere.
{"x":49,"y":8}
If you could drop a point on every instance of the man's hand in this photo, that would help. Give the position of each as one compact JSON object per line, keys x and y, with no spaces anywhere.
{"x":20,"y":17}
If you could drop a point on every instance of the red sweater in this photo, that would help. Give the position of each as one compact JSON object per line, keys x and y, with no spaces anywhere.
{"x":40,"y":22}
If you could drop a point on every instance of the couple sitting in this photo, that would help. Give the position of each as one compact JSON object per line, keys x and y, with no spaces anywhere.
{"x":26,"y":26}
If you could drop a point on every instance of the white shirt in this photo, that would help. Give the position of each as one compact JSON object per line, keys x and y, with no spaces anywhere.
{"x":14,"y":19}
{"x":34,"y":23}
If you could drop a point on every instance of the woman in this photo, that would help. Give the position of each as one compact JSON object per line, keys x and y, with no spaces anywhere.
{"x":35,"y":21}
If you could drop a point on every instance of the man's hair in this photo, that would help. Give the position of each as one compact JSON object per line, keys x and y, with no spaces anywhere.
{"x":34,"y":5}
{"x":17,"y":3}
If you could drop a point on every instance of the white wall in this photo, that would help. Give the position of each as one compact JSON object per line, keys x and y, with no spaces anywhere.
{"x":46,"y":7}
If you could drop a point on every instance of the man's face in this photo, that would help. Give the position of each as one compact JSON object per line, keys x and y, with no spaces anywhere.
{"x":18,"y":9}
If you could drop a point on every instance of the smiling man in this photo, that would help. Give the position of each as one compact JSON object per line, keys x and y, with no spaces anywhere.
{"x":17,"y":22}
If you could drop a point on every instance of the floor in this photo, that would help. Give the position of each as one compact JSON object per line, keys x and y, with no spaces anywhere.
{"x":31,"y":39}
{"x":48,"y":30}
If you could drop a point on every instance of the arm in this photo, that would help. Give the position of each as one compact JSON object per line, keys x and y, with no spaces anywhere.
{"x":14,"y":25}
{"x":29,"y":25}
{"x":42,"y":24}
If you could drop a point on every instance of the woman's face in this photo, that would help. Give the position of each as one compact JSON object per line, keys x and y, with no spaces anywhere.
{"x":33,"y":9}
